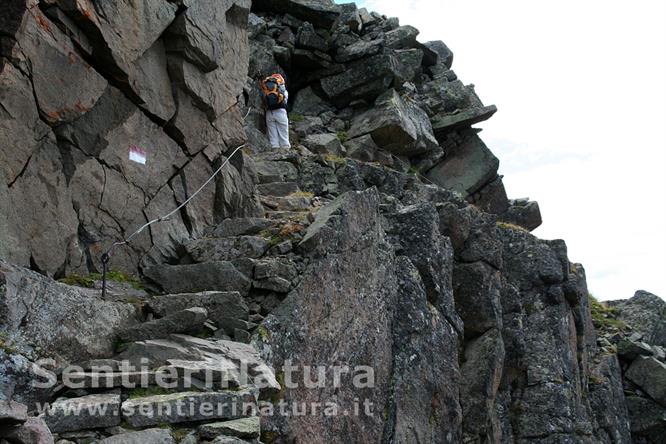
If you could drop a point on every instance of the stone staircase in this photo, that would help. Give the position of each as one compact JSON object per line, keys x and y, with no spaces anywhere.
{"x":194,"y":338}
{"x":178,"y":377}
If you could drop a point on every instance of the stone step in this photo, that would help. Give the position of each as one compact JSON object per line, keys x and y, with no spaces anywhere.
{"x":148,"y":436}
{"x":183,"y":321}
{"x":186,"y":407}
{"x":231,"y":440}
{"x":192,"y":278}
{"x":227,"y":310}
{"x":239,"y":428}
{"x":294,"y":202}
{"x":278,"y":188}
{"x":269,"y":171}
{"x":239,"y":227}
{"x":113,"y":379}
{"x":222,"y":357}
{"x":278,"y":155}
{"x":212,"y":249}
{"x":86,"y":412}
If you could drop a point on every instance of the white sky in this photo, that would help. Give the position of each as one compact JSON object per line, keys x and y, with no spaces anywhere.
{"x":581,"y":127}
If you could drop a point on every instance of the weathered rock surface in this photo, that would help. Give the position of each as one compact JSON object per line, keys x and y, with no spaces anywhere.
{"x":524,"y":213}
{"x":227,"y":405}
{"x":347,"y":239}
{"x":365,"y":79}
{"x":149,"y":436}
{"x":46,"y":319}
{"x":241,"y":428}
{"x":321,"y":13}
{"x":650,"y":375}
{"x":12,"y":412}
{"x":219,"y":305}
{"x":216,"y":276}
{"x":93,"y":411}
{"x":467,"y":166}
{"x":179,"y":322}
{"x":33,"y":430}
{"x":81,"y":85}
{"x":646,"y":313}
{"x":397,"y":126}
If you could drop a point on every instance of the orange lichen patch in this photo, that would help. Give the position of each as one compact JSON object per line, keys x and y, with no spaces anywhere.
{"x":72,"y":58}
{"x":291,"y":228}
{"x":54,"y":115}
{"x":80,"y":107}
{"x":43,"y":23}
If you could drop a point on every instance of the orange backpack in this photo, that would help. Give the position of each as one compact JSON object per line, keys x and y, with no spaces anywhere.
{"x":273,"y":88}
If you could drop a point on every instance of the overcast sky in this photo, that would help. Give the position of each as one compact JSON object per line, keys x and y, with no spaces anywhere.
{"x":581,"y":126}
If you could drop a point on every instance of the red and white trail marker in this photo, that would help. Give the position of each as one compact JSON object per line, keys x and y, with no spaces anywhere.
{"x":137,"y":155}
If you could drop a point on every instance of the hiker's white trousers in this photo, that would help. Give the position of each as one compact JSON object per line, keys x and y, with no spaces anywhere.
{"x":277,"y":122}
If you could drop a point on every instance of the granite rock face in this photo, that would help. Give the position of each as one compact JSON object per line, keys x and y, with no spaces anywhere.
{"x":80,"y":85}
{"x":382,"y":248}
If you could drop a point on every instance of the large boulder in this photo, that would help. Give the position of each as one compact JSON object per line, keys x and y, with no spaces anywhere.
{"x":365,"y":79}
{"x":650,"y":375}
{"x":34,"y":431}
{"x":212,"y":65}
{"x":467,"y":166}
{"x":442,"y":53}
{"x":308,"y":103}
{"x":208,"y":276}
{"x":403,"y":37}
{"x":221,"y":306}
{"x":55,"y":320}
{"x":360,"y":50}
{"x":445,"y":123}
{"x":241,"y":428}
{"x":307,"y":38}
{"x":524,"y":213}
{"x":646,"y":313}
{"x":321,"y":13}
{"x":328,"y":143}
{"x":396,"y":125}
{"x":45,"y":319}
{"x":356,"y":288}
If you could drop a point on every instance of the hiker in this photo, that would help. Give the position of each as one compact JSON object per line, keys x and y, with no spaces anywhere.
{"x":275,"y":96}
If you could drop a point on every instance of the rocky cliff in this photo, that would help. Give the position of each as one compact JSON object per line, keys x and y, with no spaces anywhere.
{"x":378,"y":263}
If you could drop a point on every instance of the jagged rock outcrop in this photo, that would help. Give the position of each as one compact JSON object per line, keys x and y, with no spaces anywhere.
{"x":80,"y":85}
{"x":634,"y":328}
{"x":382,"y":248}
